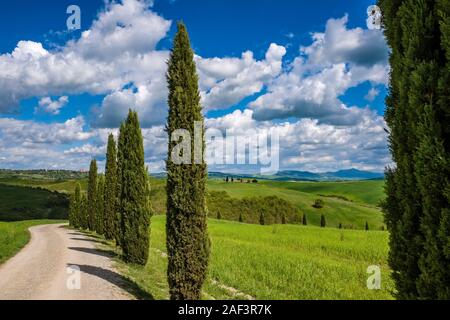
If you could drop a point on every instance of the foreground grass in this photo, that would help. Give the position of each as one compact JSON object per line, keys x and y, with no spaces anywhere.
{"x":15,"y":235}
{"x":276,"y":262}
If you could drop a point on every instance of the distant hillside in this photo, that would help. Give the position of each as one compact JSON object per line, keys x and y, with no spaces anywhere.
{"x":26,"y":203}
{"x":53,"y":175}
{"x":342,"y":175}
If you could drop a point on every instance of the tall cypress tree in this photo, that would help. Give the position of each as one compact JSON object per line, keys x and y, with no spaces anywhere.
{"x":187,"y":237}
{"x":72,"y":211}
{"x":120,"y":152}
{"x":323,"y":221}
{"x":135,"y":212}
{"x":99,"y":226}
{"x":77,"y":206}
{"x":417,"y":203}
{"x":84,"y":213}
{"x":92,"y":196}
{"x":110,"y":202}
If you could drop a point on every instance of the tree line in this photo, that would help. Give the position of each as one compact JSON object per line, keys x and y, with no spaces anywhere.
{"x":117,"y":205}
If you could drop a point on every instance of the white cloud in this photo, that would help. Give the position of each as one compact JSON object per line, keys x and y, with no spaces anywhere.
{"x":337,"y":60}
{"x":309,"y":145}
{"x":87,"y":149}
{"x":116,"y":52}
{"x":339,"y":44}
{"x":50,"y":106}
{"x":225,"y":82}
{"x":117,"y":58}
{"x":372,"y":94}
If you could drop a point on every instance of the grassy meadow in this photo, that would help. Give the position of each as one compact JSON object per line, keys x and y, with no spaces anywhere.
{"x":276,"y":262}
{"x":352,"y":214}
{"x":15,"y":235}
{"x":351,"y":203}
{"x":250,"y":261}
{"x":27,"y":203}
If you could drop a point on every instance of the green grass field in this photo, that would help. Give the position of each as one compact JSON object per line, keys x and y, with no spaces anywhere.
{"x":366,"y":192}
{"x":28,"y":203}
{"x":350,"y":203}
{"x":336,"y":210}
{"x":276,"y":262}
{"x":14,"y":236}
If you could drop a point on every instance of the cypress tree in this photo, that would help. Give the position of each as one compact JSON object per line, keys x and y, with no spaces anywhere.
{"x":84,"y":213}
{"x":262,"y":220}
{"x":323,"y":222}
{"x":100,"y":205}
{"x":72,"y":211}
{"x":77,"y":215}
{"x":134,"y":195}
{"x":367,"y":226}
{"x":304,"y":220}
{"x":187,"y":237}
{"x":417,"y":202}
{"x":92,"y":196}
{"x":110,"y":203}
{"x":120,"y":152}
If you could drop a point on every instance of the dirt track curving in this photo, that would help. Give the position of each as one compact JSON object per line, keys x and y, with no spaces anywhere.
{"x":49,"y":266}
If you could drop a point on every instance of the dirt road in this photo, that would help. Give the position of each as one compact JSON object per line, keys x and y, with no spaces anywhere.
{"x":61,"y":264}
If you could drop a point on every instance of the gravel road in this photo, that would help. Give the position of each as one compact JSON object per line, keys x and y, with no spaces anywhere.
{"x":61,"y":264}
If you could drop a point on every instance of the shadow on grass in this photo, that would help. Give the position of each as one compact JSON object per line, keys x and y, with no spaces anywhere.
{"x":98,"y":252}
{"x":116,"y":279}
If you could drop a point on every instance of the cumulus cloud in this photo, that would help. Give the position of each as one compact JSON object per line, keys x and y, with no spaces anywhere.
{"x":339,"y":44}
{"x":117,"y":58}
{"x":227,"y":81}
{"x":309,"y":145}
{"x":29,"y":144}
{"x":87,"y":149}
{"x":337,"y":60}
{"x":116,"y":52}
{"x":372,"y":94}
{"x":50,"y":106}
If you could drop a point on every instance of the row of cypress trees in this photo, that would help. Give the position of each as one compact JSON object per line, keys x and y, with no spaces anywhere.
{"x":125,"y":211}
{"x":417,"y":209}
{"x":117,"y":205}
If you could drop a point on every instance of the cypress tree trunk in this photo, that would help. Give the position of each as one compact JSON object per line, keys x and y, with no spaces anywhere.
{"x":92,"y":196}
{"x":417,"y":203}
{"x":134,"y":195}
{"x":187,"y":237}
{"x":110,"y":203}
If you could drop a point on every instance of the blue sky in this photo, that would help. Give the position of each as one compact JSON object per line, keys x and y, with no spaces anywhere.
{"x":329,"y":88}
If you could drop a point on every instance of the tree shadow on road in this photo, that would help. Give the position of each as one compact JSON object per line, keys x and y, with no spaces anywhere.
{"x":116,"y":279}
{"x":98,"y":252}
{"x":76,"y":234}
{"x":91,"y":240}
